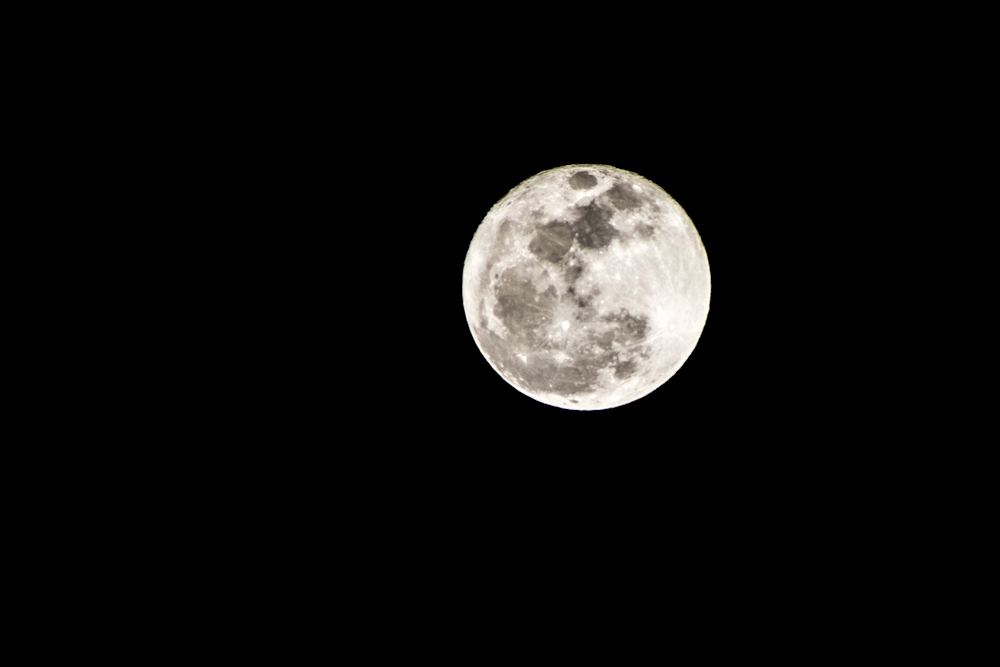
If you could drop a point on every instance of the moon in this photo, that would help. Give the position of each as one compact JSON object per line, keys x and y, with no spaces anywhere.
{"x":586,"y":287}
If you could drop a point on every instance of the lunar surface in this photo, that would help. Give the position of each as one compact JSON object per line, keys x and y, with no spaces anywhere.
{"x":586,"y":287}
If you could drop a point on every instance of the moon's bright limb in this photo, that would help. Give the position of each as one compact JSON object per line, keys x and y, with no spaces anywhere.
{"x":586,"y":287}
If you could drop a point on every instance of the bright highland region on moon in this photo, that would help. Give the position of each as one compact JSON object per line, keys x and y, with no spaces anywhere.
{"x":586,"y":287}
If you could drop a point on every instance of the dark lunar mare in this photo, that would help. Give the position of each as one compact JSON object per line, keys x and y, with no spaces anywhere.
{"x":551,"y":241}
{"x":579,"y":301}
{"x":541,"y":372}
{"x":573,"y":272}
{"x":623,"y":197}
{"x":625,"y":369}
{"x":631,"y":329}
{"x":527,"y":316}
{"x":644,"y":231}
{"x":483,"y":321}
{"x":591,"y":229}
{"x":521,"y":308}
{"x":504,"y":230}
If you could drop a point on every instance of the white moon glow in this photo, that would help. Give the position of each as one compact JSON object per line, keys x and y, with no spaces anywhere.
{"x":586,"y":287}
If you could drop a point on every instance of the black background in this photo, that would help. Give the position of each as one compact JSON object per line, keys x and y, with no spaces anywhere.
{"x":360,"y":189}
{"x":320,"y":402}
{"x":342,"y":187}
{"x":353,"y":400}
{"x":363,"y":244}
{"x":272,"y":399}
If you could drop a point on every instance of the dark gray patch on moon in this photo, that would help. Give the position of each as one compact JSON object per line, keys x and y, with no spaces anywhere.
{"x":484,"y":276}
{"x":552,"y":241}
{"x":577,"y":376}
{"x":539,"y":371}
{"x":605,"y":339}
{"x":504,"y":229}
{"x":572,"y":272}
{"x":591,"y":229}
{"x":631,"y":329}
{"x":644,"y":231}
{"x":625,"y":369}
{"x":579,"y":301}
{"x":521,"y":308}
{"x":533,"y":354}
{"x":483,"y":321}
{"x":582,"y":180}
{"x":623,"y":197}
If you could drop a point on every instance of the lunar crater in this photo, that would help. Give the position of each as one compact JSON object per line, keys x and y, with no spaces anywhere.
{"x":582,"y":180}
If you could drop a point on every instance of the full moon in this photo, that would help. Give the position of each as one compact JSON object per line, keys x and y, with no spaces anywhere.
{"x":586,"y":287}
